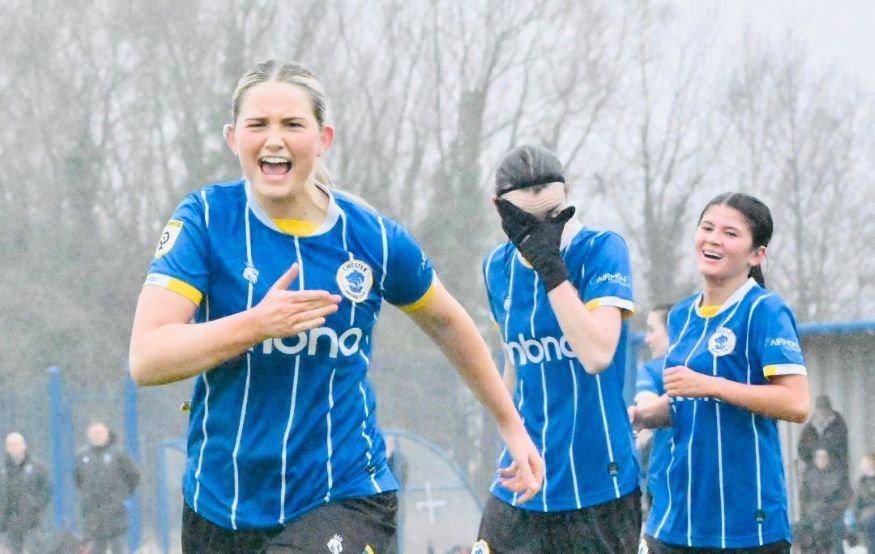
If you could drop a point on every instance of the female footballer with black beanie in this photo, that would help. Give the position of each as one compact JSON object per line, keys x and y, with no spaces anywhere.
{"x":558,"y":293}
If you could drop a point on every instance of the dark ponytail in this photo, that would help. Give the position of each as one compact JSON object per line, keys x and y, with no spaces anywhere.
{"x":758,"y":218}
{"x":757,"y":273}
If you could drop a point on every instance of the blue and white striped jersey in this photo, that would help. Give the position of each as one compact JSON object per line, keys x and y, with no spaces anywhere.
{"x":725,"y":478}
{"x":578,"y":421}
{"x":650,"y":380}
{"x":290,"y":424}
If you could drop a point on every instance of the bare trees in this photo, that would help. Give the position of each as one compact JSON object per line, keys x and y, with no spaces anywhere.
{"x":800,"y":140}
{"x":665,"y":140}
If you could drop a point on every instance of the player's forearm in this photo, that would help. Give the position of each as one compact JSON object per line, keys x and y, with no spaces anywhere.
{"x":509,"y":378}
{"x":590,"y":339}
{"x":777,"y":400}
{"x":177,"y":351}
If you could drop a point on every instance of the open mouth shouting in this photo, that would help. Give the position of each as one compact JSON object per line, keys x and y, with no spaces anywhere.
{"x":275,"y":166}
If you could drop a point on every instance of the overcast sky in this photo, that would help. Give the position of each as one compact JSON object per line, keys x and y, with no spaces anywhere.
{"x":839,"y":33}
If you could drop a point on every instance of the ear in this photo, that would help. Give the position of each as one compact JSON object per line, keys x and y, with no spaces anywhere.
{"x":326,"y":138}
{"x":228,"y":131}
{"x":758,"y":256}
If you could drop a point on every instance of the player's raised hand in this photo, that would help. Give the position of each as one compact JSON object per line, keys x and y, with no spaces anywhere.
{"x":525,"y":475}
{"x":283,"y":312}
{"x":537,"y":240}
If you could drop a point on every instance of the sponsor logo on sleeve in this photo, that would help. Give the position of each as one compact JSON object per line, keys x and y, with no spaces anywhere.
{"x":615,"y":278}
{"x":785,"y":343}
{"x":722,"y":342}
{"x":355,"y":279}
{"x":168,"y":237}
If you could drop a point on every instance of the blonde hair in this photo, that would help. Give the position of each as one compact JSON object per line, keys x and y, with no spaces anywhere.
{"x":292,"y":73}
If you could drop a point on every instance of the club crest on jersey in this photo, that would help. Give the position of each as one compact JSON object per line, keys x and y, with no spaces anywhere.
{"x":722,"y":342}
{"x":168,"y":237}
{"x":480,"y":547}
{"x":355,"y":280}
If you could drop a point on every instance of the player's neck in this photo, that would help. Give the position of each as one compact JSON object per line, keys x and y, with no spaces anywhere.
{"x":310,"y":204}
{"x":717,"y":291}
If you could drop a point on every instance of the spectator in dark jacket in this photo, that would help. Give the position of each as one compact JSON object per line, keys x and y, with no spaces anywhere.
{"x":826,"y":429}
{"x":863,"y":505}
{"x":25,"y":491}
{"x":824,"y":496}
{"x":105,"y":477}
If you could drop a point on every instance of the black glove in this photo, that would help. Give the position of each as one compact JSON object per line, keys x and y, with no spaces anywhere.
{"x":537,"y":240}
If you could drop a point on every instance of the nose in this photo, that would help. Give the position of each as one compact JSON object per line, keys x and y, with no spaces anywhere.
{"x":273,"y":140}
{"x":712,"y":236}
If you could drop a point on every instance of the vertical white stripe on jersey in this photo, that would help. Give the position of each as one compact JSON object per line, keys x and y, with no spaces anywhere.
{"x":598,"y":384}
{"x":385,"y":240}
{"x":206,"y":208}
{"x":543,"y":388}
{"x":720,"y":441}
{"x":236,"y":451}
{"x":328,"y":437}
{"x":200,"y":456}
{"x":346,"y":247}
{"x":756,"y":438}
{"x":753,"y":418}
{"x":690,"y":443}
{"x":237,"y":441}
{"x":292,"y":404}
{"x":571,"y":460}
{"x":203,"y":376}
{"x":720,"y":469}
{"x":509,"y":305}
{"x":690,"y":480}
{"x":368,"y":440}
{"x":668,"y":487}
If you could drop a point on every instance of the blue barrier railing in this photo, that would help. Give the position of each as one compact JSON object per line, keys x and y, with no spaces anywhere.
{"x":132,"y":443}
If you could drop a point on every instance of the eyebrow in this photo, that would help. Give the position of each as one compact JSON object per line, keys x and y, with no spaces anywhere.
{"x":264,"y":118}
{"x":725,"y":227}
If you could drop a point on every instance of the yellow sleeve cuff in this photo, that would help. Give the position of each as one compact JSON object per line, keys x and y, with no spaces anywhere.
{"x":176,"y":285}
{"x":627,"y":307}
{"x":423,"y":300}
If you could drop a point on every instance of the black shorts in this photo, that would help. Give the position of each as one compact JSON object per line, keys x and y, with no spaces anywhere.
{"x":655,"y":546}
{"x":351,"y":525}
{"x":610,"y":528}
